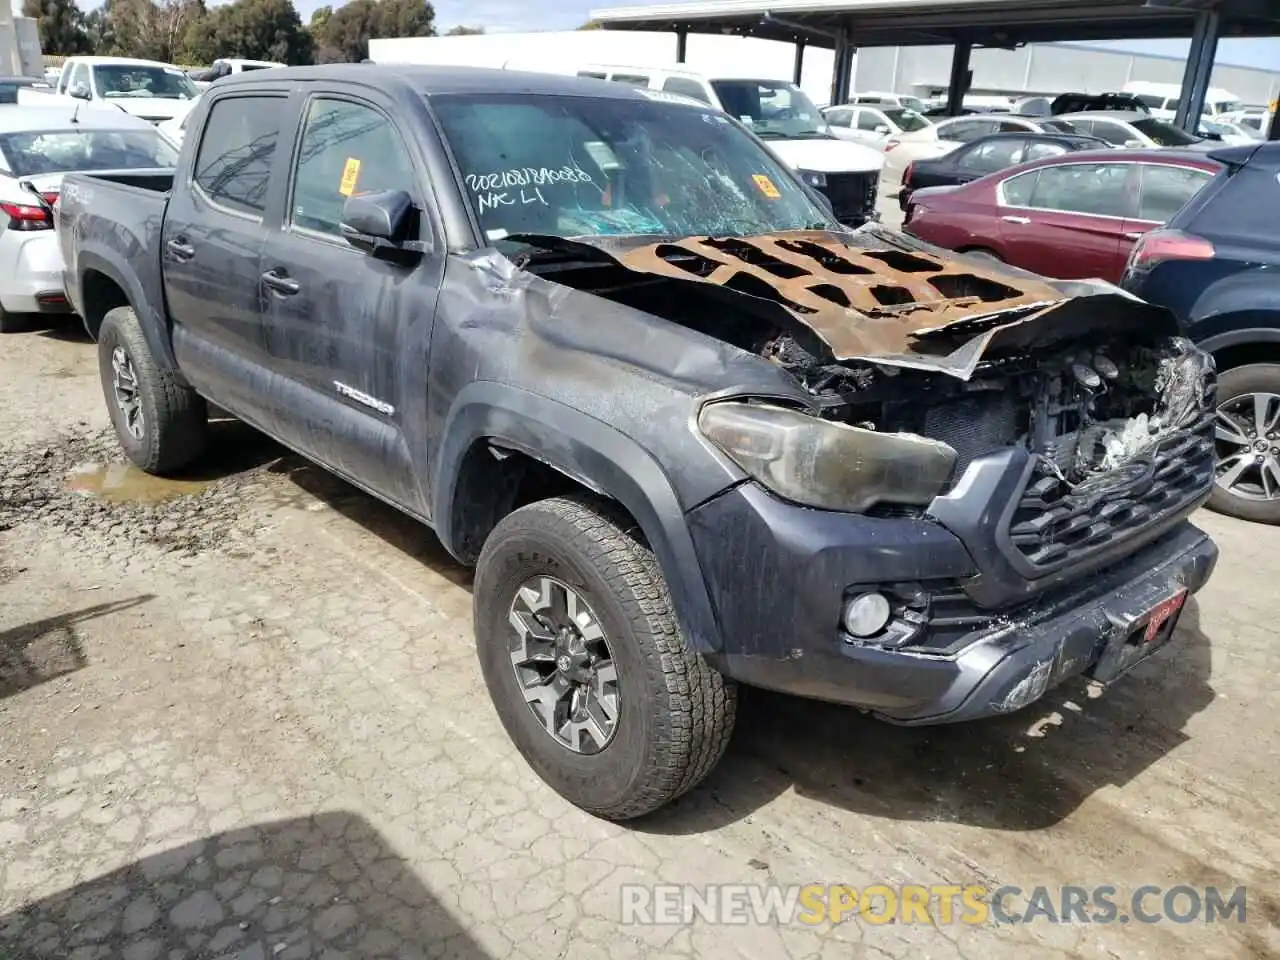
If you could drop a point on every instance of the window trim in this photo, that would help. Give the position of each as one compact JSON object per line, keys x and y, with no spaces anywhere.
{"x":1003,"y":204}
{"x":287,"y":224}
{"x":191,"y":181}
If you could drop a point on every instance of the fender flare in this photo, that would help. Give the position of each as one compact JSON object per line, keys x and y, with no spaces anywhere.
{"x":595,"y":455}
{"x":112,"y":266}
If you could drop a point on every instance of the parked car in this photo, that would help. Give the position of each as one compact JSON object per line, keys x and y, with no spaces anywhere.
{"x":176,"y":127}
{"x":781,"y":114}
{"x":1164,"y":99}
{"x":1130,"y":129}
{"x":1228,"y":133}
{"x":873,"y":125}
{"x":1093,"y":102}
{"x":1075,"y":216}
{"x":38,"y":145}
{"x":989,"y":154}
{"x":1214,"y":265}
{"x":148,"y":89}
{"x":619,"y":357}
{"x":229,"y":66}
{"x":945,"y":135}
{"x":890,"y":101}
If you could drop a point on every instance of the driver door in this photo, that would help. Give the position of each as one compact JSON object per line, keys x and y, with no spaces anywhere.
{"x":348,"y":331}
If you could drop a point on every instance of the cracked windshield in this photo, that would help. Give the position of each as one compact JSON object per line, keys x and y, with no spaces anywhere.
{"x":121,"y":81}
{"x":576,"y":166}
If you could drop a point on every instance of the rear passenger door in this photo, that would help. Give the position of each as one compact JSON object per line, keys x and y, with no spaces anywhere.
{"x":347,"y":331}
{"x":1164,"y":189}
{"x":210,"y":247}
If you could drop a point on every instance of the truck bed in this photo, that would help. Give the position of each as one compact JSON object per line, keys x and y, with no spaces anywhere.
{"x":106,"y":217}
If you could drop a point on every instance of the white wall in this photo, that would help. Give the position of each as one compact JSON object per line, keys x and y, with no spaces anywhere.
{"x":1044,"y":68}
{"x":568,"y":51}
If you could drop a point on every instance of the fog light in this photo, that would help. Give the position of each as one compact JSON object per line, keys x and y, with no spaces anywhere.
{"x":1028,"y":690}
{"x":867,"y":614}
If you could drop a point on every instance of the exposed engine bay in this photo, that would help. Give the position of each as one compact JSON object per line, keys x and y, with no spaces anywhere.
{"x":894,"y":338}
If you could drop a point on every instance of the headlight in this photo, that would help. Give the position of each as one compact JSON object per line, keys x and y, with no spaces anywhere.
{"x":828,"y":465}
{"x":814,"y":178}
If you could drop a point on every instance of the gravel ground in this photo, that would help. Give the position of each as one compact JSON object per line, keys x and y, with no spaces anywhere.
{"x":241,"y":716}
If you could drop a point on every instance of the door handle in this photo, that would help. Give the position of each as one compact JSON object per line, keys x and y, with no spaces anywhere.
{"x":179,"y":249}
{"x":1135,"y":235}
{"x":280,"y":283}
{"x":1016,"y":219}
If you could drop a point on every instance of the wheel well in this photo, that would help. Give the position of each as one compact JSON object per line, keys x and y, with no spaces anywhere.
{"x":493,"y":481}
{"x":101,"y":295}
{"x":1239,"y":354}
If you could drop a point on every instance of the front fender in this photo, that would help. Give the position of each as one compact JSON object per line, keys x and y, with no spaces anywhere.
{"x":116,"y":268}
{"x":595,"y":455}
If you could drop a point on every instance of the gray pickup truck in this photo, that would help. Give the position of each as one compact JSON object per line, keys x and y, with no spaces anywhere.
{"x":689,"y":430}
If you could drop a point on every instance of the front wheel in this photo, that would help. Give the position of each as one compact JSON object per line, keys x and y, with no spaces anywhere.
{"x":1247,"y":434}
{"x":585,"y":663}
{"x":160,"y":423}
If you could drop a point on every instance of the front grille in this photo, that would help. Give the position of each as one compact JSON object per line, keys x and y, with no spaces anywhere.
{"x":853,"y":196}
{"x":1054,"y":526}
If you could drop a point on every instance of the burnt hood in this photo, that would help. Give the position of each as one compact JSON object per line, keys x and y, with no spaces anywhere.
{"x":878,"y":297}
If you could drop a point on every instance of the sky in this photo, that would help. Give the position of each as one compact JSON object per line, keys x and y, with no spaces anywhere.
{"x":514,"y":15}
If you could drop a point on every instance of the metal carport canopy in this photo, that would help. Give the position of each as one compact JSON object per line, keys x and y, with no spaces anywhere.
{"x":877,"y":23}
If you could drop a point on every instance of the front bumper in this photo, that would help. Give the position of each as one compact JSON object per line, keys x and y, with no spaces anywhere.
{"x":778,"y":576}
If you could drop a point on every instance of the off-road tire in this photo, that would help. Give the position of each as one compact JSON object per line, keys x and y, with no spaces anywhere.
{"x":1233,"y":383}
{"x":175,"y":419}
{"x":675,"y":713}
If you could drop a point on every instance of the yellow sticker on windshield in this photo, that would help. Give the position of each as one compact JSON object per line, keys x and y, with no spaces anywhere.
{"x":766,"y":186}
{"x":350,"y":174}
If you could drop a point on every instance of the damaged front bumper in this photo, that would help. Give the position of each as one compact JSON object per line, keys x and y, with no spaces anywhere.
{"x":780,"y":575}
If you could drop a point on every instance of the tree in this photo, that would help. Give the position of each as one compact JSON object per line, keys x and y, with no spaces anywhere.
{"x":319,"y":17}
{"x":61,"y":24}
{"x":345,"y":33}
{"x":461,"y":31}
{"x":102,"y":38}
{"x":256,"y":29}
{"x":591,"y":25}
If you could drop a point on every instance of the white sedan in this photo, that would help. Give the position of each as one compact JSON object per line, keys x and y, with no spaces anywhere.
{"x":941,"y":138}
{"x":873,"y":125}
{"x":38,"y":144}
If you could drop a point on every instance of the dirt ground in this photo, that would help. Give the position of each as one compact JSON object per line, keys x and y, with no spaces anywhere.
{"x":242,"y":716}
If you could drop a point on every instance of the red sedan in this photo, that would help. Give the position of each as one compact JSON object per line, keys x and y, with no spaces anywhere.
{"x":1072,"y":217}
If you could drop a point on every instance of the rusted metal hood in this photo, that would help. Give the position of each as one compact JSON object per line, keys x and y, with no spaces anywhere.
{"x":867,"y":297}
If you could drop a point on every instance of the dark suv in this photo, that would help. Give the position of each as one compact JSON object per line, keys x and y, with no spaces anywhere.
{"x":1215,"y":266}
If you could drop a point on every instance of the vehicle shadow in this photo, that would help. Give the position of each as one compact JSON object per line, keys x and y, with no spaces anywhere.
{"x":327,"y":885}
{"x":61,"y":326}
{"x":43,"y":650}
{"x":234,"y":447}
{"x":1027,"y":771}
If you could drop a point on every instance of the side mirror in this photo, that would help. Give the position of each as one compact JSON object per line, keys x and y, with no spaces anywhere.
{"x":882,"y":129}
{"x":376,"y":223}
{"x":1134,"y":144}
{"x":80,"y":91}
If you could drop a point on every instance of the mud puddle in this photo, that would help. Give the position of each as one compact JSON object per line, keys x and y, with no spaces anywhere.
{"x":125,"y":483}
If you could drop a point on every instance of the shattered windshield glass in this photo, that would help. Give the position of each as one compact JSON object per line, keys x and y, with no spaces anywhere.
{"x":584,"y":166}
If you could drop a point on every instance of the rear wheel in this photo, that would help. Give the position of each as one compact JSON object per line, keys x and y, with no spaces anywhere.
{"x":585,"y":664}
{"x":161,"y":424}
{"x":1248,"y":444}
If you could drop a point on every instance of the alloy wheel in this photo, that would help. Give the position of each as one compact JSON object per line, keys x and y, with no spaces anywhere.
{"x":1247,"y":431}
{"x":124,"y":383}
{"x":563,"y":664}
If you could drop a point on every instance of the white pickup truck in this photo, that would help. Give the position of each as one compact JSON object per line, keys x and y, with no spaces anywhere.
{"x":148,"y":89}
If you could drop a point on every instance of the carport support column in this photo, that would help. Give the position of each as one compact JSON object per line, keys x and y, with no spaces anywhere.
{"x":959,"y":85}
{"x":841,"y":68}
{"x":1195,"y":80}
{"x":682,"y":44}
{"x":797,"y":71}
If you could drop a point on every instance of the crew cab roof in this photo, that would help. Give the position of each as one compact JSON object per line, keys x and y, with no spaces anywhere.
{"x":440,"y":80}
{"x":20,"y":117}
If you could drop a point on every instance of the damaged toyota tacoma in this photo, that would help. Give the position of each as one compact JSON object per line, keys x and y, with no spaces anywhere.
{"x":689,"y":430}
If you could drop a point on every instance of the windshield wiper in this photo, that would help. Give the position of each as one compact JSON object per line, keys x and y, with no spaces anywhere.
{"x":770,"y":135}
